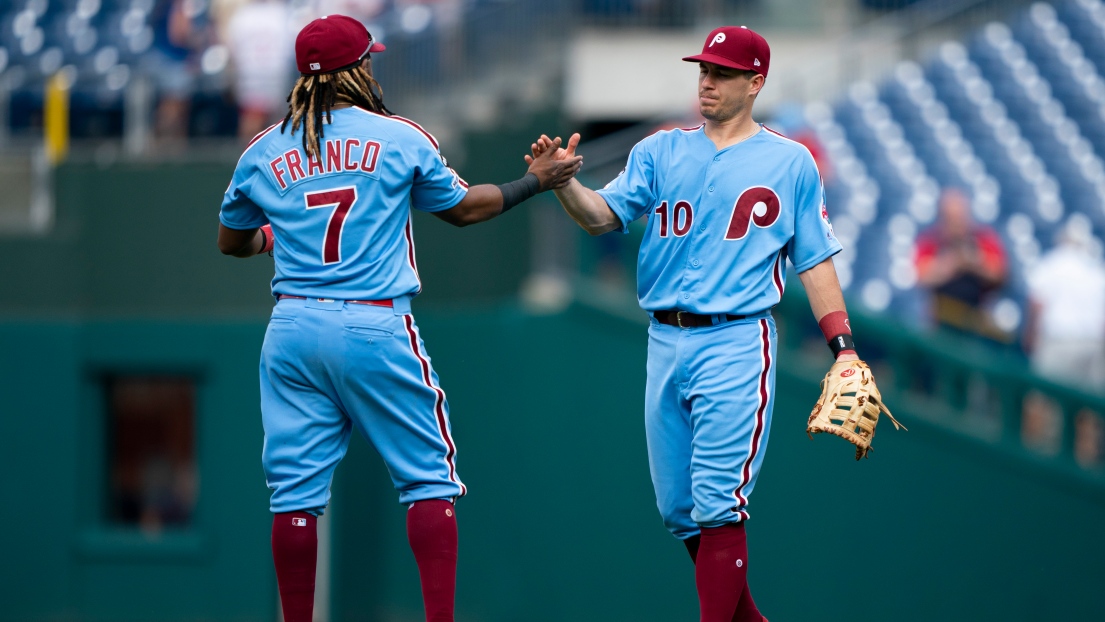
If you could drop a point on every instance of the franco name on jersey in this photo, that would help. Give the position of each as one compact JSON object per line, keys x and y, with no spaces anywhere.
{"x":340,"y":155}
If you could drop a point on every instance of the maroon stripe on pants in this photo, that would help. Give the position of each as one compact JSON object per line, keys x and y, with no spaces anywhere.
{"x":439,"y":404}
{"x":757,"y":432}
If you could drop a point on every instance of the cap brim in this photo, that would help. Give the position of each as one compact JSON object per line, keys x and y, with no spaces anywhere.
{"x":718,"y":60}
{"x":376,"y":47}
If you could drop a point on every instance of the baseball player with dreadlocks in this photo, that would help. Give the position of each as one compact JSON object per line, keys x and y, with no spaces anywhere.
{"x":728,"y":202}
{"x":329,"y":192}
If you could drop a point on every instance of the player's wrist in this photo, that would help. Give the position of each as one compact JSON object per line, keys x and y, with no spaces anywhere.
{"x":519,"y":190}
{"x":838,"y":335}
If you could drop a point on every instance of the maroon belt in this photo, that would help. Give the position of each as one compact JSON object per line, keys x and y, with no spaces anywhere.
{"x":374,"y":303}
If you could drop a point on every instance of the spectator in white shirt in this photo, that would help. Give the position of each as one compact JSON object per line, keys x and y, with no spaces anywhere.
{"x":1066,"y":328}
{"x":258,"y":37}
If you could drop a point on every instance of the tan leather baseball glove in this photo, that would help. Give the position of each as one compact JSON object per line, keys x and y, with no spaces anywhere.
{"x":849,"y":406}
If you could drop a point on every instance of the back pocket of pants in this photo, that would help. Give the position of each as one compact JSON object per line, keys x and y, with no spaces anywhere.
{"x":369,"y":333}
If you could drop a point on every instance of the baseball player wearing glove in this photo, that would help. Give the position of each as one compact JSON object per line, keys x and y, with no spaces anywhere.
{"x":330,"y":192}
{"x":728,"y":202}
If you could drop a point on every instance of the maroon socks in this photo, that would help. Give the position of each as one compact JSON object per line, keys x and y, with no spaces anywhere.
{"x":721,"y":574}
{"x":432,"y":531}
{"x":295,"y":551}
{"x":720,"y":555}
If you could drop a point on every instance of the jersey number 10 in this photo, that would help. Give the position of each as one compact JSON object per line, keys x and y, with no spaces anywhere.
{"x":342,"y":200}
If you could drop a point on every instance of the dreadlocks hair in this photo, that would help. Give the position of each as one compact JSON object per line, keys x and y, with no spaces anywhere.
{"x":313,"y":97}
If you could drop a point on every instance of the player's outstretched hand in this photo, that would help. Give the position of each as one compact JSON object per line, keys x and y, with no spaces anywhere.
{"x":545,"y":143}
{"x":554,"y":166}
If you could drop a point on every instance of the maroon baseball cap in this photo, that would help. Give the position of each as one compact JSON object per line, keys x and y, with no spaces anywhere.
{"x":736,"y":47}
{"x":332,"y":43}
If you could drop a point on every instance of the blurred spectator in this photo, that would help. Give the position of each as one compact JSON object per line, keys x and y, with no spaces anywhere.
{"x":447,"y":19}
{"x":1066,"y":329}
{"x":173,"y":64}
{"x":961,"y":263}
{"x":259,"y":37}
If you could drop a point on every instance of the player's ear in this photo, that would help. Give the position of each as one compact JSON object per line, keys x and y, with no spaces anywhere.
{"x":756,"y":84}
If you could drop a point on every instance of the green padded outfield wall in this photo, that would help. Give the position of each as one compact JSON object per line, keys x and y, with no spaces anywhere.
{"x":560,"y":522}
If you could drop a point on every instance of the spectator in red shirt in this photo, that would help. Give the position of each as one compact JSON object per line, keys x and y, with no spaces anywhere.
{"x":962,"y":263}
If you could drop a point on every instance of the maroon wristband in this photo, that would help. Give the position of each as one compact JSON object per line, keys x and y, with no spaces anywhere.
{"x":838,"y":333}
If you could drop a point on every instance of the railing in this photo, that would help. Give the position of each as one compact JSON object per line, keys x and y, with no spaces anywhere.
{"x":973,"y":386}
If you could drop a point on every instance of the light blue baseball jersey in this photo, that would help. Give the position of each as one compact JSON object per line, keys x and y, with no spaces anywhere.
{"x":342,"y":224}
{"x":721,"y":223}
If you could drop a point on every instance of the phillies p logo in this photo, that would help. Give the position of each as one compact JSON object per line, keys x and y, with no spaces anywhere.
{"x":757,"y":205}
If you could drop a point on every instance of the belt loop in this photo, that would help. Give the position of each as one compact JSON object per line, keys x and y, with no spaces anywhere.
{"x":401,"y":305}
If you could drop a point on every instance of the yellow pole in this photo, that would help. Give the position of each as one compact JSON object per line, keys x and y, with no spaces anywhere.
{"x":56,"y":118}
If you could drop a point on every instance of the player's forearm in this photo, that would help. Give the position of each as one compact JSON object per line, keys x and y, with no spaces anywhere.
{"x":482,"y":203}
{"x":587,"y":208}
{"x":243,"y":242}
{"x":827,"y":304}
{"x":485,"y":201}
{"x":823,"y":289}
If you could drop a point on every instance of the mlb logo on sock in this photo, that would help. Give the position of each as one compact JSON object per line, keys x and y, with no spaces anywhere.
{"x":299,"y":522}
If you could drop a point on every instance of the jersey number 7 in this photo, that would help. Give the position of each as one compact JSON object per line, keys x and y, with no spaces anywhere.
{"x":342,"y":199}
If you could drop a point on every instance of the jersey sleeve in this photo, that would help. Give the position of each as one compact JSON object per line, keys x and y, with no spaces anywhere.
{"x":238,"y":210}
{"x":436,"y":187}
{"x":631,"y":194}
{"x":813,"y":240}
